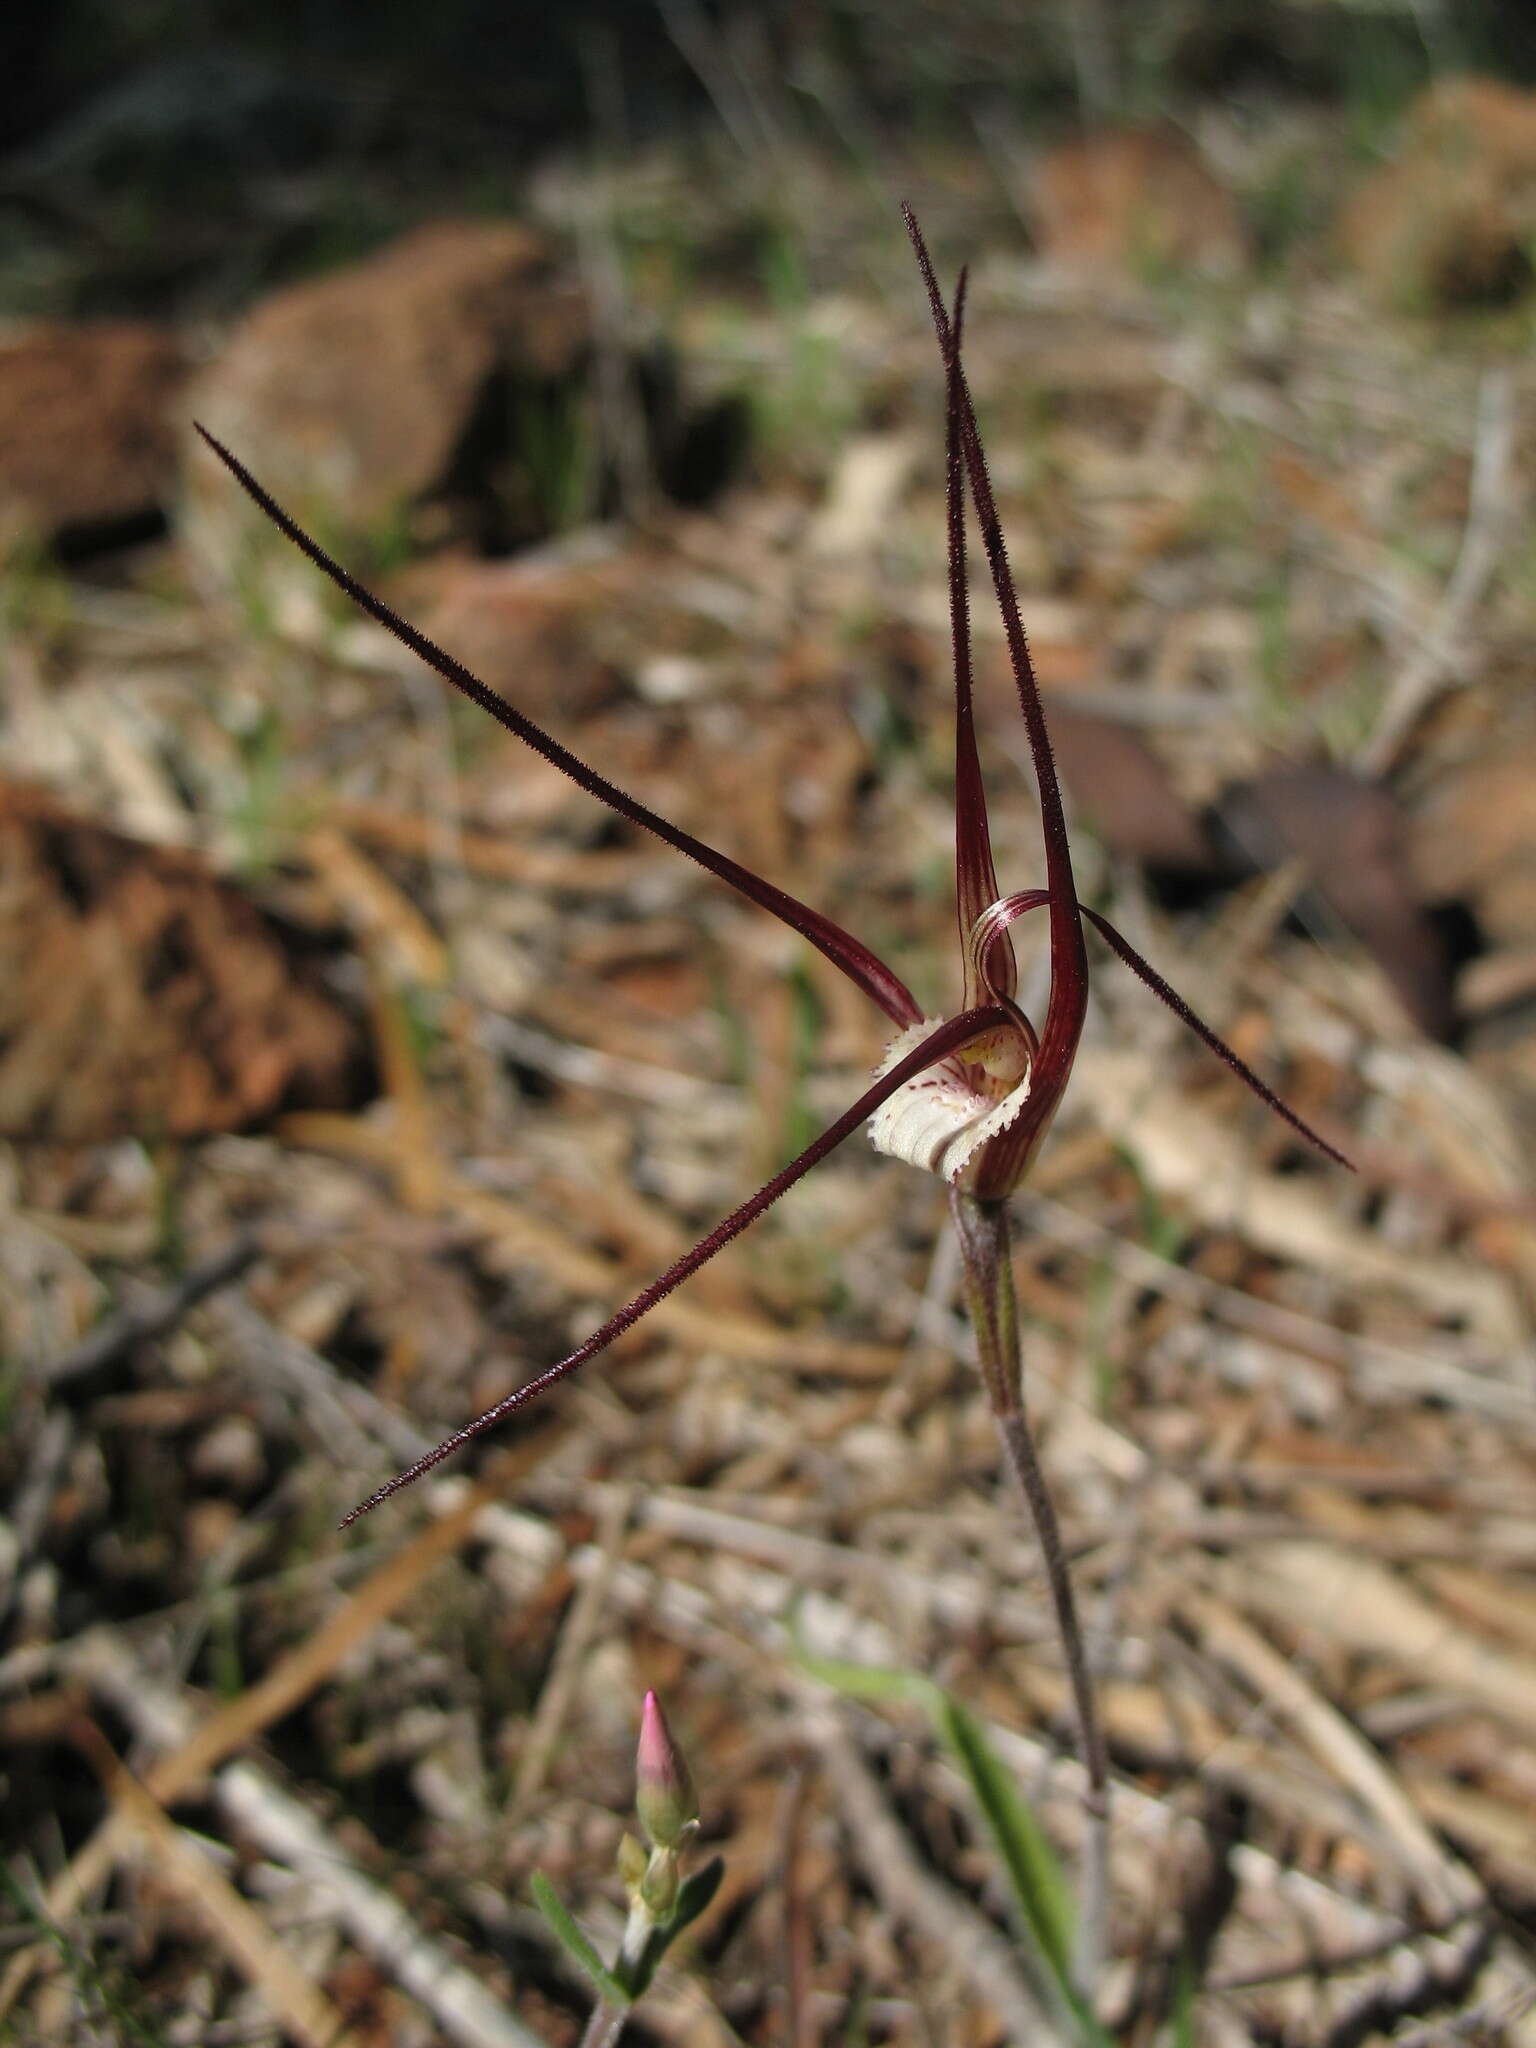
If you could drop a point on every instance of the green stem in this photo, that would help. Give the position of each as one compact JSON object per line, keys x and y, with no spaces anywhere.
{"x":606,"y":2022}
{"x":985,"y":1248}
{"x":604,"y":2027}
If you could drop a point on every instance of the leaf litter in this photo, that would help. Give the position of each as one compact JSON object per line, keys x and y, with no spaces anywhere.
{"x":1288,"y":1416}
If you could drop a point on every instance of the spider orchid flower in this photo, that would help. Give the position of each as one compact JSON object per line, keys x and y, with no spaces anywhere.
{"x":970,"y":1097}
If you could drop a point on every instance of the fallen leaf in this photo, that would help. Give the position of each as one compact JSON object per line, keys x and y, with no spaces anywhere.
{"x":141,"y":994}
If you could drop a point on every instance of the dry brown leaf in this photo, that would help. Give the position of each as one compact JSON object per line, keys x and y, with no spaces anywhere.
{"x":140,"y":994}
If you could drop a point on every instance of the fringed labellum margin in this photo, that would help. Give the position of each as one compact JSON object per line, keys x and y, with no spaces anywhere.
{"x":951,"y":1119}
{"x":942,"y":1117}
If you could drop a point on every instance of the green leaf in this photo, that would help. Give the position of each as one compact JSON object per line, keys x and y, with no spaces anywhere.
{"x":575,"y":1943}
{"x":695,"y":1894}
{"x":863,"y":1681}
{"x":1034,"y":1871}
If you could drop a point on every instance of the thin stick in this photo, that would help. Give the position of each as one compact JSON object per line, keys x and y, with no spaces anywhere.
{"x":285,"y":1686}
{"x":302,"y":2008}
{"x":1434,"y":662}
{"x":800,"y":2030}
{"x":156,"y":1316}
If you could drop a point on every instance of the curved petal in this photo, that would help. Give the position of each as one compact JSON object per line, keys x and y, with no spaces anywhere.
{"x":937,"y":1045}
{"x":984,"y":940}
{"x":855,"y":959}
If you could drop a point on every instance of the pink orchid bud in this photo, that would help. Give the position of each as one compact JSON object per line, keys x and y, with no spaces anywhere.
{"x":664,"y":1796}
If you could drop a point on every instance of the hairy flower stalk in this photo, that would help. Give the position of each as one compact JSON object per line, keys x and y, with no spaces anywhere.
{"x":970,"y":1098}
{"x":984,"y":1234}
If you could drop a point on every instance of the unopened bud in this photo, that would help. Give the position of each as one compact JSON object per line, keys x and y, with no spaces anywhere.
{"x":632,"y":1859}
{"x":664,"y":1796}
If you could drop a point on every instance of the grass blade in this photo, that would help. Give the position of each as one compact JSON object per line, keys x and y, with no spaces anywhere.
{"x":576,"y":1945}
{"x":1035,"y":1876}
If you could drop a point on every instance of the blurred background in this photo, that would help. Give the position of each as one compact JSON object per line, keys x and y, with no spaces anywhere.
{"x":353,"y":1066}
{"x":174,"y":161}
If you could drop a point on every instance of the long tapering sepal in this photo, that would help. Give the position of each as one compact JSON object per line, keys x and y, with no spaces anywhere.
{"x":846,"y":952}
{"x":939,"y":1044}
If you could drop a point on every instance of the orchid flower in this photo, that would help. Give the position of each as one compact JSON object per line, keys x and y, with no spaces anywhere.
{"x":970,"y":1097}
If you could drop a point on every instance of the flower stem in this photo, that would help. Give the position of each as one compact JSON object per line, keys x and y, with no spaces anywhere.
{"x":604,"y":2027}
{"x":985,"y":1247}
{"x":606,"y":2022}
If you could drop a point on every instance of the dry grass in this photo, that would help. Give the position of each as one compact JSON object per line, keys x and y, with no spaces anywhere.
{"x":1287,"y":1412}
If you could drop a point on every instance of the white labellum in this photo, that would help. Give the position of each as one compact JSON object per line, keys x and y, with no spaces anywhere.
{"x":937,"y":1120}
